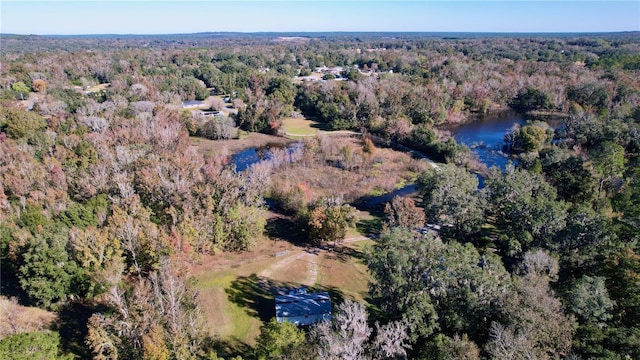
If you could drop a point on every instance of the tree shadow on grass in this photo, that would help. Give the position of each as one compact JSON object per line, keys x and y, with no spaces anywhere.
{"x":72,"y":326}
{"x":228,"y":348}
{"x":257,"y":294}
{"x":286,"y":229}
{"x":344,"y":253}
{"x":371,"y":227}
{"x":321,"y":126}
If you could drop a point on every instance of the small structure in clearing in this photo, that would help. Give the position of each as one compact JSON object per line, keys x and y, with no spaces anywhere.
{"x":303,"y":308}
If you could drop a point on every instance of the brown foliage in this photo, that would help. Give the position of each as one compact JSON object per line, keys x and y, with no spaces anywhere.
{"x":39,"y":85}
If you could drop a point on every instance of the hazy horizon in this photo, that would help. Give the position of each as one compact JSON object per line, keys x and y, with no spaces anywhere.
{"x":189,"y":17}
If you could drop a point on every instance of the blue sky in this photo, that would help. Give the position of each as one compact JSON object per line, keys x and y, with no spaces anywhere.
{"x":164,"y":17}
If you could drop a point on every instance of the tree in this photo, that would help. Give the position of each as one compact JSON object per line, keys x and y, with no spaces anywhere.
{"x":348,"y":336}
{"x":39,"y":85}
{"x":571,"y":178}
{"x":390,"y":341}
{"x":537,"y":327}
{"x":609,"y":161}
{"x":530,"y":98}
{"x":458,"y":348}
{"x":41,"y":345}
{"x":397,"y":268}
{"x":402,"y":212}
{"x":159,"y":313}
{"x":329,"y":220}
{"x":21,"y":124}
{"x":524,"y":207}
{"x":623,"y":285}
{"x":279,"y":340}
{"x":451,"y":198}
{"x":345,"y":336}
{"x":48,"y":275}
{"x":529,"y":138}
{"x":590,"y":301}
{"x":430,"y":284}
{"x":140,"y":239}
{"x":21,"y":88}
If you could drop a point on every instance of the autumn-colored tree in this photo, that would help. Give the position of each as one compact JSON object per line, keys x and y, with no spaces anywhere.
{"x":39,"y":85}
{"x":403,"y":212}
{"x":329,"y":220}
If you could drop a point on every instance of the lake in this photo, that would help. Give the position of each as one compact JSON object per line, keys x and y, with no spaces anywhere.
{"x":486,"y":137}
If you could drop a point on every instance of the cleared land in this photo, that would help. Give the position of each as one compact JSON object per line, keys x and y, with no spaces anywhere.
{"x":239,"y":298}
{"x":229,"y":147}
{"x":302,"y":127}
{"x":237,"y":289}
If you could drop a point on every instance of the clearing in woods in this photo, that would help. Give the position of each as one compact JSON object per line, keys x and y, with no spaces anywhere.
{"x":236,"y":290}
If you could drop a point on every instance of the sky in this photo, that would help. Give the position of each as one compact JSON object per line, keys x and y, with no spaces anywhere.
{"x":172,"y":17}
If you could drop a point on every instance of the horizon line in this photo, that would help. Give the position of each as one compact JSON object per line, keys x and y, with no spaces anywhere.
{"x":328,"y":31}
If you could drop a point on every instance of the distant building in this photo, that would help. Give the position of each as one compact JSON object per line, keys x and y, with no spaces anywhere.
{"x":303,"y":308}
{"x":214,"y":114}
{"x":192,"y":104}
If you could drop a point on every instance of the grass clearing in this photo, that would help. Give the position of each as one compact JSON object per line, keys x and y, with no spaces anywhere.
{"x":238,"y":298}
{"x":228,"y":147}
{"x":302,"y":127}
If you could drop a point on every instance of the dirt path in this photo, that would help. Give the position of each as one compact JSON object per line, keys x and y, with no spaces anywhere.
{"x":308,"y":259}
{"x":298,"y":257}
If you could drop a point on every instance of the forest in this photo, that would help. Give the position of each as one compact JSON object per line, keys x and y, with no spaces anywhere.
{"x":113,"y":210}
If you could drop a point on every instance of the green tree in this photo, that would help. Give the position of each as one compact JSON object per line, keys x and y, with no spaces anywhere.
{"x":589,"y":300}
{"x":40,"y":345}
{"x":430,"y":284}
{"x":530,"y":98}
{"x":623,"y":284}
{"x":609,"y":162}
{"x":524,"y":207}
{"x":21,"y":88}
{"x":397,"y":265}
{"x":279,"y":340}
{"x":282,"y":89}
{"x":451,"y":198}
{"x":571,"y":178}
{"x":21,"y":124}
{"x":48,"y":275}
{"x":529,"y":138}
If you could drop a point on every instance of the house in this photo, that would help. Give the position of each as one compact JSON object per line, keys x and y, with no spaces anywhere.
{"x":214,"y":114}
{"x":192,"y":104}
{"x":303,"y":308}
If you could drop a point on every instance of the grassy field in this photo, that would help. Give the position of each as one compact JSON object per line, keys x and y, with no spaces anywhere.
{"x":302,"y":127}
{"x":228,"y":147}
{"x":237,"y":290}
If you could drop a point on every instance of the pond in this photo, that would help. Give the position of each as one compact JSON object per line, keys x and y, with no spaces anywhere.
{"x":486,"y":137}
{"x":246,"y":158}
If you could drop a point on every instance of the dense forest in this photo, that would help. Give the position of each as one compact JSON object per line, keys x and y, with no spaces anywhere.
{"x":107,"y":202}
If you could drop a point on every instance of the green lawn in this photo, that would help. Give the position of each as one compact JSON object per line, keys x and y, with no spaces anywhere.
{"x":302,"y":127}
{"x":236,"y":301}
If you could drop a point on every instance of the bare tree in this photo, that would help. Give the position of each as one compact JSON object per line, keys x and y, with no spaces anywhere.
{"x":345,"y":336}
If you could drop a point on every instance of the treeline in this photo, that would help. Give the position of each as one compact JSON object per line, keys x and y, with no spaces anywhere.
{"x":104,"y":200}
